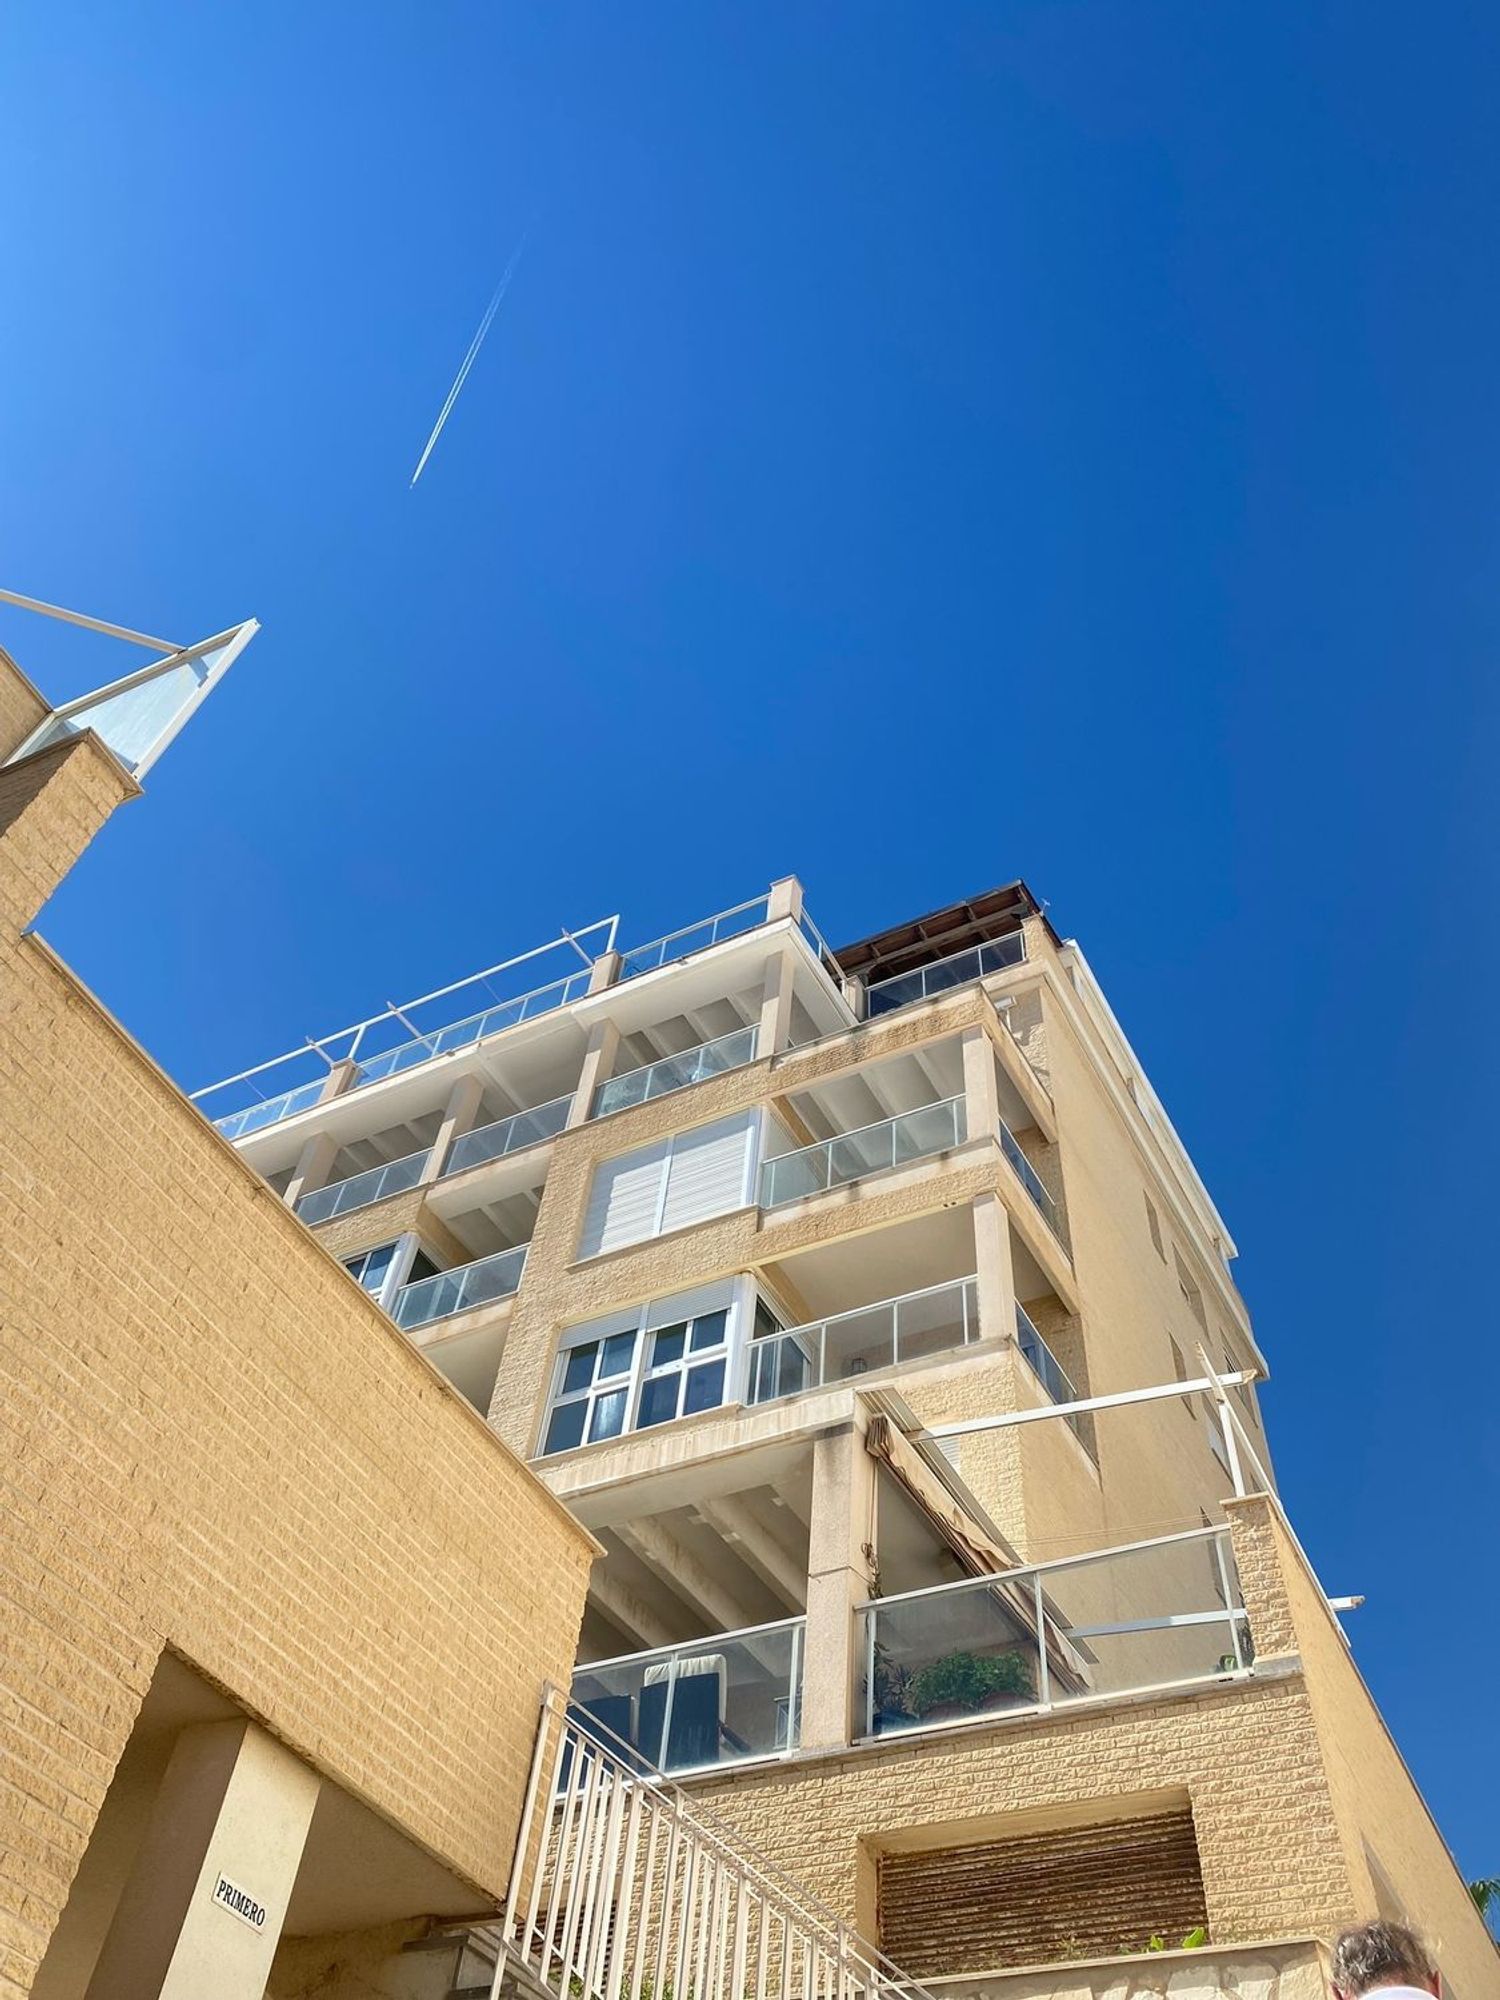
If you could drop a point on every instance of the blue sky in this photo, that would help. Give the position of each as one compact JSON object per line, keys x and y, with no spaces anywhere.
{"x":921,"y":446}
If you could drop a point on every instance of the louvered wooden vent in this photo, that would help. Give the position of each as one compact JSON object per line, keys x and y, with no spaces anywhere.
{"x":1076,"y":1892}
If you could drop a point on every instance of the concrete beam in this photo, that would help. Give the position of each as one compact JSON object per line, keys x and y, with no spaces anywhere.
{"x":682,"y":1572}
{"x":775,"y":1565}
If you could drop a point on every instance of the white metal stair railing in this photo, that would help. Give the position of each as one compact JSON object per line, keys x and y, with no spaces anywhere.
{"x":623,"y":1889}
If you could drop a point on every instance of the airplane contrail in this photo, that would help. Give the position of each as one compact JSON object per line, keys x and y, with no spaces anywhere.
{"x":473,"y":354}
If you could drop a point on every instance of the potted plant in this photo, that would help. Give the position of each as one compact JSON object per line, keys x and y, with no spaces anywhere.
{"x":891,"y":1684}
{"x":964,"y":1683}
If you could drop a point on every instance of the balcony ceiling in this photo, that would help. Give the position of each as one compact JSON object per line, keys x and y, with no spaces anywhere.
{"x":923,"y":940}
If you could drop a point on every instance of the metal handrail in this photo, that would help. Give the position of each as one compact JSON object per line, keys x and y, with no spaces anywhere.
{"x":954,"y":1106}
{"x":943,"y":974}
{"x":460,"y":1289}
{"x":361,"y":1190}
{"x":669,"y":1073}
{"x":508,"y":1135}
{"x":623,"y":1889}
{"x":767,"y":1352}
{"x":650,"y":957}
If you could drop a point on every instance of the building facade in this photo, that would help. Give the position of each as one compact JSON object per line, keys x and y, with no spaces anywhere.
{"x":866,"y":1308}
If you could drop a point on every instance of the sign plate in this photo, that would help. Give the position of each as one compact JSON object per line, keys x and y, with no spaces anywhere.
{"x":239,"y":1903}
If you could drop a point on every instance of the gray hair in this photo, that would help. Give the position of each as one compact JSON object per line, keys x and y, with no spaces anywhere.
{"x":1380,"y":1954}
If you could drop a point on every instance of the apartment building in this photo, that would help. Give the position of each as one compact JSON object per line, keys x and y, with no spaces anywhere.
{"x":865,"y":1306}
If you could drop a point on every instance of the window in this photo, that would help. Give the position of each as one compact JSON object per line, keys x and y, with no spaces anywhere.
{"x":1190,"y":1292}
{"x":1153,"y":1223}
{"x":1244,"y":1390}
{"x":685,"y":1179}
{"x":642,"y":1368}
{"x":1179,"y":1370}
{"x":371,"y":1267}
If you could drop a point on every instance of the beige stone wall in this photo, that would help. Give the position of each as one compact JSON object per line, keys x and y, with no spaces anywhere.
{"x":1379,"y":1811}
{"x":1279,"y":1969}
{"x":216,"y":1443}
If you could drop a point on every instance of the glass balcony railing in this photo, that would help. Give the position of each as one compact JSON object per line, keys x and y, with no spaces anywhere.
{"x":693,"y":937}
{"x":1045,"y":1365}
{"x":323,"y":1203}
{"x":721,"y":1700}
{"x":508,"y":1135}
{"x":461,"y":1289}
{"x":960,"y":970}
{"x":669,"y":1073}
{"x":271,"y":1110}
{"x":1033,"y":1183}
{"x":914,"y":1327}
{"x":872,"y":1149}
{"x":473,"y":1028}
{"x":1159,"y":1614}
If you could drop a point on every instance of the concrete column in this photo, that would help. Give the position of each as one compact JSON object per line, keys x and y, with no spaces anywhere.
{"x":459,"y":1114}
{"x":992,"y":1261}
{"x":785,"y":899}
{"x":981,"y":1084}
{"x":338,"y":1079}
{"x":314,"y":1164}
{"x":598,"y":1065}
{"x":838,"y":1578}
{"x":604,"y":972}
{"x":776,"y":1006}
{"x":202,"y":1910}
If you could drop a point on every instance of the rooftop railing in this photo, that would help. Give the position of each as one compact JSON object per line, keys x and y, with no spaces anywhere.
{"x":508,"y":1135}
{"x":1045,"y":1365}
{"x":271,"y":1110}
{"x":669,"y":1073}
{"x":721,"y":1700}
{"x":872,"y":1149}
{"x":360,"y":1190}
{"x":461,"y":1289}
{"x":1033,"y":1183}
{"x":1152,"y":1615}
{"x":913,"y":1327}
{"x":473,"y":1028}
{"x":694,"y":937}
{"x":960,"y":970}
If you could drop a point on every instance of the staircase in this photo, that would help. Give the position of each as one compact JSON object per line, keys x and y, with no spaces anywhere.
{"x":623,"y":1890}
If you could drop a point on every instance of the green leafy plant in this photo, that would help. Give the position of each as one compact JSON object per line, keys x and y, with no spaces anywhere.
{"x":892,"y":1684}
{"x":1197,"y":1936}
{"x":966,"y":1680}
{"x":1486,"y":1894}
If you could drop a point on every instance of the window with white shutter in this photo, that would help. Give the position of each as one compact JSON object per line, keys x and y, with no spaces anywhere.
{"x":678,"y":1181}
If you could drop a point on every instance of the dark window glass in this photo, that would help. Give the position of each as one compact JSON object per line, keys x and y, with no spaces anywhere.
{"x":659,"y":1400}
{"x":422,"y":1266}
{"x":618,"y":1352}
{"x":566,"y":1427}
{"x":709,"y":1331}
{"x":705,"y":1387}
{"x":667,"y":1345}
{"x":580,"y":1368}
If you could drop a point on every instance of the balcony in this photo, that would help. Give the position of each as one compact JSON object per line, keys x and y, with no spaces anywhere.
{"x":508,"y":1135}
{"x":669,"y":1073}
{"x":915,"y":1327}
{"x":1162,"y":1614}
{"x":727,"y":1699}
{"x":461,"y":1289}
{"x":714,"y":930}
{"x":871,"y":1149}
{"x":1033,"y":1183}
{"x":360,"y":1190}
{"x":1045,"y":1365}
{"x":271,"y":1110}
{"x":962,"y":969}
{"x":473,"y":1028}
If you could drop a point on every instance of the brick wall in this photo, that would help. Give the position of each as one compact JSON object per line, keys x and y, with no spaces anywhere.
{"x":215,"y":1442}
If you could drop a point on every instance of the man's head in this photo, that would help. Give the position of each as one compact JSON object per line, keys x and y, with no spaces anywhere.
{"x":1380,"y":1955}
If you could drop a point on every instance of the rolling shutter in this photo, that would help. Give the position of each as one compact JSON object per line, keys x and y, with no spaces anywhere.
{"x":624,"y":1199}
{"x":1073,"y":1892}
{"x":706,"y":1173}
{"x":678,"y":1181}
